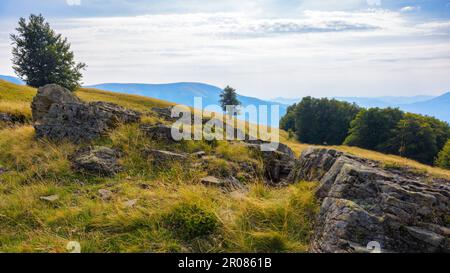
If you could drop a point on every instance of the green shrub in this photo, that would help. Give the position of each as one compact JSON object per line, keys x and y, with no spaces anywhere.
{"x":189,"y":221}
{"x":443,"y":159}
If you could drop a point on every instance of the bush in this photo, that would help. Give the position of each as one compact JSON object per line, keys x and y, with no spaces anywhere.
{"x":443,"y":159}
{"x":189,"y":221}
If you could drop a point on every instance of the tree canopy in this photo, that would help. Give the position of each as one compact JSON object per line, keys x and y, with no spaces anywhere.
{"x":324,"y":121}
{"x":40,"y":56}
{"x":320,"y":121}
{"x":372,"y":128}
{"x":229,"y":101}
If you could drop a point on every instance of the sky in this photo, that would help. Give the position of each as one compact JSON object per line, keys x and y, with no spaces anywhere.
{"x":263,"y":48}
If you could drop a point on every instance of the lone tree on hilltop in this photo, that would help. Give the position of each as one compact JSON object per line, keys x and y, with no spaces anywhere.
{"x":40,"y":56}
{"x":229,"y":101}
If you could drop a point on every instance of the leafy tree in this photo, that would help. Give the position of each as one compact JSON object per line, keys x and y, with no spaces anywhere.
{"x":40,"y":56}
{"x":443,"y":159}
{"x":229,"y":101}
{"x":323,"y":121}
{"x":287,"y":122}
{"x":414,"y":137}
{"x":372,"y":128}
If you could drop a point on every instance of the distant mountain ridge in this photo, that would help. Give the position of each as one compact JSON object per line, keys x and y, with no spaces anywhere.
{"x":184,"y":93}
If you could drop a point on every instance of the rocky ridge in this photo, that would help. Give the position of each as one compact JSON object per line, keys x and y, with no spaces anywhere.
{"x":364,"y":203}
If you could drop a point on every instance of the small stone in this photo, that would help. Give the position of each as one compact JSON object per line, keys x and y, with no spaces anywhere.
{"x":162,"y":156}
{"x":211,"y":181}
{"x":199,"y":154}
{"x":50,"y":198}
{"x":105,"y":194}
{"x":130,"y":203}
{"x":227,"y":184}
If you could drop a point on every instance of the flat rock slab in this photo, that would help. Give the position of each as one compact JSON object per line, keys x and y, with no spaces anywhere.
{"x":50,"y":198}
{"x":97,"y":160}
{"x":229,"y":184}
{"x":163,"y":156}
{"x":364,"y":203}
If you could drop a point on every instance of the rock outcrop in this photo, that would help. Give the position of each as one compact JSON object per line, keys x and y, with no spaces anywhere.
{"x":97,"y":160}
{"x":363,"y":202}
{"x":158,"y":132}
{"x":10,"y":119}
{"x":278,"y":163}
{"x":58,"y":114}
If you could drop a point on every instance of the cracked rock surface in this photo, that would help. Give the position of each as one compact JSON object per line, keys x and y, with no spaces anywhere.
{"x":363,"y":202}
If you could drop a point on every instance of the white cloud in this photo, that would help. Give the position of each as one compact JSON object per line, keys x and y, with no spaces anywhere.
{"x":320,"y":53}
{"x":73,"y":2}
{"x":410,"y":8}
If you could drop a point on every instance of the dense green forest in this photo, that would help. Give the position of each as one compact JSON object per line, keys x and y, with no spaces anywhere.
{"x":390,"y":130}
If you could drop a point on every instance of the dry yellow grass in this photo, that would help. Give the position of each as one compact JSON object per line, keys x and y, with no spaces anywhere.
{"x":16,"y":99}
{"x":135,"y":102}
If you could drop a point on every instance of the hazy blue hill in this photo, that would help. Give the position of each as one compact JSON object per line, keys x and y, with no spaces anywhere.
{"x":184,"y":93}
{"x":12,"y":79}
{"x":438,"y":107}
{"x":367,"y":102}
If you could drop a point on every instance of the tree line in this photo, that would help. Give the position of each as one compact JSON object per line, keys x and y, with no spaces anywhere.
{"x":389,"y":130}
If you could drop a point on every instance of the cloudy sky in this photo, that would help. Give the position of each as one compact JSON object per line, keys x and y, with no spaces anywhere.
{"x":264,"y":48}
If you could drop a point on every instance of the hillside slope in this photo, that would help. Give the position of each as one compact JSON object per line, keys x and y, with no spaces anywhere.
{"x":146,"y":207}
{"x":184,"y":93}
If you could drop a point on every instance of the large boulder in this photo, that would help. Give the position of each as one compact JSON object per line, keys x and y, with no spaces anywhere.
{"x":58,"y":114}
{"x":97,"y":160}
{"x":47,"y":96}
{"x":364,"y":203}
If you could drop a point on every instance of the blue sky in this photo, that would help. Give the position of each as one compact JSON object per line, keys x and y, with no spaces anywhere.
{"x":264,"y":48}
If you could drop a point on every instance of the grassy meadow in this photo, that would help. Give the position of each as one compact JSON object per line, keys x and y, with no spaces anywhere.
{"x":151,"y":208}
